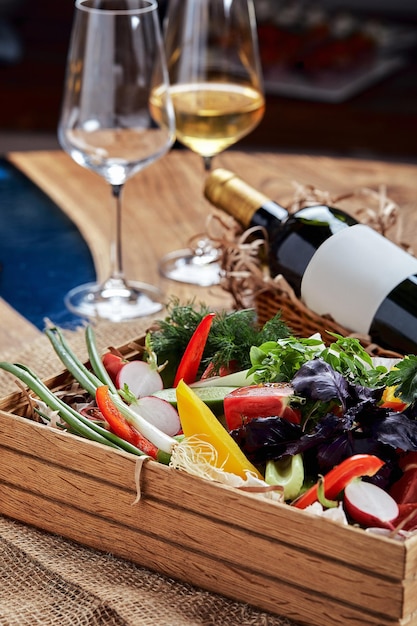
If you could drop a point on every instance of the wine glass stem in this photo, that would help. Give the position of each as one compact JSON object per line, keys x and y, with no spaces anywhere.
{"x":207,"y":163}
{"x":116,"y":258}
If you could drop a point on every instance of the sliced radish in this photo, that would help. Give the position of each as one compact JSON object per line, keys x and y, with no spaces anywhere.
{"x":141,"y":378}
{"x":369,"y":505}
{"x":158,"y":412}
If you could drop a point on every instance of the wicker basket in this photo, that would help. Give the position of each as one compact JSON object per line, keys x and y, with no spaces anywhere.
{"x":249,"y":283}
{"x":303,"y":322}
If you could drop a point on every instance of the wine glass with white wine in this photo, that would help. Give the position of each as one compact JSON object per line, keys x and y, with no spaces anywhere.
{"x":217,"y":91}
{"x":116,"y":58}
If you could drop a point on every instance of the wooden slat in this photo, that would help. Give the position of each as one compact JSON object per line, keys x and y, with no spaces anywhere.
{"x":348,"y":545}
{"x":337,"y":564}
{"x":216,"y":575}
{"x":263,"y":552}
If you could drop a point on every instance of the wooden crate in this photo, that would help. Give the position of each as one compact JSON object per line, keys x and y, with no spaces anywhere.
{"x":275,"y":557}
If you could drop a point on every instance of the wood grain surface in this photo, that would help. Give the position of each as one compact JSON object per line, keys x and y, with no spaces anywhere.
{"x":295,"y":564}
{"x":164,"y":207}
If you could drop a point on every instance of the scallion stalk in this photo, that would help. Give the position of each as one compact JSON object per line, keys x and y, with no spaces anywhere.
{"x":89,"y":381}
{"x":96,"y":361}
{"x":78,"y":423}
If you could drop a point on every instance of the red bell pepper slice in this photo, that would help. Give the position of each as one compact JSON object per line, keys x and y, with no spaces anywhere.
{"x":337,"y":478}
{"x":191,"y":359}
{"x":119,"y":425}
{"x":407,"y":517}
{"x":404,"y":490}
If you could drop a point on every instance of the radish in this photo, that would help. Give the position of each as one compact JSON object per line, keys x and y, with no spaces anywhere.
{"x":158,"y":412}
{"x":141,"y":378}
{"x":369,"y":505}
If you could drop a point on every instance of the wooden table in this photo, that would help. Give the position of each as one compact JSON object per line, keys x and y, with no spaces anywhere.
{"x":164,"y":207}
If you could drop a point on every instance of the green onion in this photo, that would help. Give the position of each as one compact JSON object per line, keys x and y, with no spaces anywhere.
{"x":96,"y":361}
{"x":89,"y":381}
{"x":81,"y":373}
{"x":77,"y":422}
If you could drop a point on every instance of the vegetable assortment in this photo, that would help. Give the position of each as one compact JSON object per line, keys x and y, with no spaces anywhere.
{"x":318,"y":427}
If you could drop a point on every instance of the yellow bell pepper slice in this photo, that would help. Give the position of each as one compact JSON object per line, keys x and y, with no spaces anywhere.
{"x":390,"y":401}
{"x":197,"y":419}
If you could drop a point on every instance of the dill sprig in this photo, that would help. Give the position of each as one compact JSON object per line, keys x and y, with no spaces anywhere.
{"x":231,"y":336}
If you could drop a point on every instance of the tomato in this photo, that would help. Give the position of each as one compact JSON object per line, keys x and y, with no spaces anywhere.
{"x":269,"y":400}
{"x":224,"y":370}
{"x":113,"y":364}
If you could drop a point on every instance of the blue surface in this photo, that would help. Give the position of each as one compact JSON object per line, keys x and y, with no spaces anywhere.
{"x":42,"y":253}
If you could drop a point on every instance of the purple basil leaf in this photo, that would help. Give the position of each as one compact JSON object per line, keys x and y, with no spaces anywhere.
{"x":317,"y":380}
{"x":266,"y":438}
{"x":397,"y":431}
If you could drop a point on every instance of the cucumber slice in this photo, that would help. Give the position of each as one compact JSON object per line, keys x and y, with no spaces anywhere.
{"x":212,"y":396}
{"x":288,"y":473}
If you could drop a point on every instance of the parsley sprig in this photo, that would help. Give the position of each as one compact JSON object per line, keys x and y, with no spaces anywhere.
{"x":279,"y":361}
{"x":404,"y":378}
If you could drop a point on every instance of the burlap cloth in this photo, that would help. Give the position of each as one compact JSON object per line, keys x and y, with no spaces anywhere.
{"x":50,"y":581}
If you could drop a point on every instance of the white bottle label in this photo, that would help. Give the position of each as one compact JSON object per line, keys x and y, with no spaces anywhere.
{"x":351,"y":274}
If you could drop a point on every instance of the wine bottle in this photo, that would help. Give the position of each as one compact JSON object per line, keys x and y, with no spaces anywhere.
{"x":335,"y":264}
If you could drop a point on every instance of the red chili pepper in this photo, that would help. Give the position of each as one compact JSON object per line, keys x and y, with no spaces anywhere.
{"x":191,"y":359}
{"x":407,"y":460}
{"x":337,"y":478}
{"x":119,"y":425}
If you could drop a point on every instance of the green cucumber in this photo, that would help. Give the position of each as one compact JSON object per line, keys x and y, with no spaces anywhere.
{"x":212,"y":396}
{"x":288,"y":473}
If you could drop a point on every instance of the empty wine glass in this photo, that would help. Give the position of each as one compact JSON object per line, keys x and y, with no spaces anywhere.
{"x":115,"y":59}
{"x":216,"y":88}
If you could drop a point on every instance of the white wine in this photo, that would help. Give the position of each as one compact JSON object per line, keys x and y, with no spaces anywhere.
{"x":211,"y":116}
{"x":337,"y":266}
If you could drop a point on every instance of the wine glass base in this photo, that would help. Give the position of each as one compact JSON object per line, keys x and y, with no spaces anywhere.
{"x":119,"y":302}
{"x":185,"y":266}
